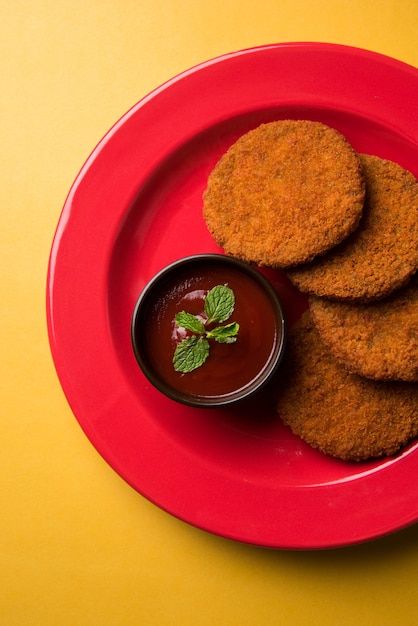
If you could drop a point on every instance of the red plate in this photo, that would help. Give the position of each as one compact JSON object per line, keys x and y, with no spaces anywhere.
{"x":134,"y":208}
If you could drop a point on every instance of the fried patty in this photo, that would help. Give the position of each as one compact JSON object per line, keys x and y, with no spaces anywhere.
{"x":284,"y":193}
{"x":378,"y":340}
{"x":340,"y":413}
{"x":382,"y":254}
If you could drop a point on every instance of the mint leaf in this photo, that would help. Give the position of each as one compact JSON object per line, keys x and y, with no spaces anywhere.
{"x":219,"y":304}
{"x":224,"y":334}
{"x":190,"y":322}
{"x":190,"y":354}
{"x":193,"y":351}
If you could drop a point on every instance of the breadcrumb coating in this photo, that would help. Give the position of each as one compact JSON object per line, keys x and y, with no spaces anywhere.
{"x":342,"y":414}
{"x":382,"y":254}
{"x":378,"y":340}
{"x":284,"y":193}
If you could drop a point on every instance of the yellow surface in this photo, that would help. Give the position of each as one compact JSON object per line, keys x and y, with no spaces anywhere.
{"x":78,"y":547}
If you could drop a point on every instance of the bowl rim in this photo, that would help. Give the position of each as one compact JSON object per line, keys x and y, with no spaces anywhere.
{"x":143,"y":302}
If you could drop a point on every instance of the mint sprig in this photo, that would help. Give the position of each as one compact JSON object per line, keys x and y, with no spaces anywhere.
{"x":193,"y":351}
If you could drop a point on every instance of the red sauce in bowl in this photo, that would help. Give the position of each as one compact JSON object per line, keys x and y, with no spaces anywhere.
{"x":232,"y":370}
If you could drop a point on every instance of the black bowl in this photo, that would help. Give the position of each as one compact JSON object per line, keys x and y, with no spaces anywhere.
{"x":232,"y":372}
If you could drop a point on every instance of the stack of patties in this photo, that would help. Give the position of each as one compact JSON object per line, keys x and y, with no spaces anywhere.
{"x":294,"y":195}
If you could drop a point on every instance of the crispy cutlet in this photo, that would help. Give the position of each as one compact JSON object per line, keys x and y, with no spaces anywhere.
{"x":285,"y":192}
{"x":378,"y":340}
{"x":382,"y":254}
{"x":340,"y":413}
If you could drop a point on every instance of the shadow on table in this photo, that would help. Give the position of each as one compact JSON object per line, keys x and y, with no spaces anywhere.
{"x":394,"y":545}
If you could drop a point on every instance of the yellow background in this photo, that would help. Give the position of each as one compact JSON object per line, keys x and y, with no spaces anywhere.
{"x":78,"y":547}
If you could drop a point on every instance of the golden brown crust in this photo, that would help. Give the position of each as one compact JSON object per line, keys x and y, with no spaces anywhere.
{"x":378,"y":340}
{"x":341,"y":414}
{"x":382,"y":253}
{"x":284,"y":193}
